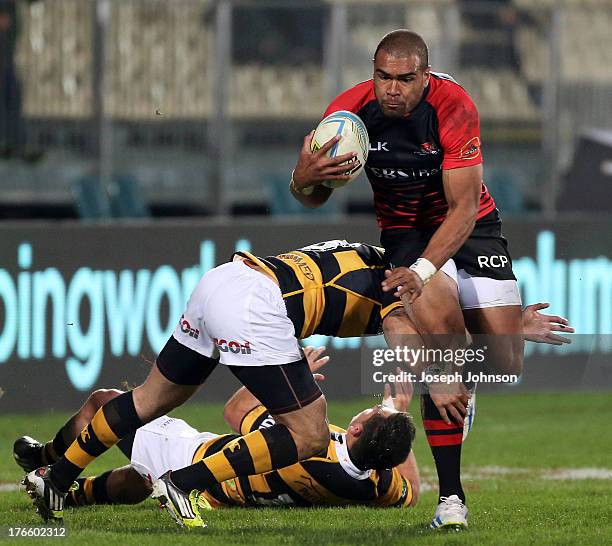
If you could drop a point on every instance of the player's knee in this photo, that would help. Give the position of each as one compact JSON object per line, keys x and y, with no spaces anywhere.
{"x":321,"y":442}
{"x":445,"y":329}
{"x":397,"y":322}
{"x":319,"y":439}
{"x":100,"y":397}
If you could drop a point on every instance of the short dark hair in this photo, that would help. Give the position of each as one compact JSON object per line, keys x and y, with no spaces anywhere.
{"x":384,"y":443}
{"x":403,"y":43}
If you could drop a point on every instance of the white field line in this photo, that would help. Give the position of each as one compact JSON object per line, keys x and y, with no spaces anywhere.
{"x":480,"y":473}
{"x":429,"y":481}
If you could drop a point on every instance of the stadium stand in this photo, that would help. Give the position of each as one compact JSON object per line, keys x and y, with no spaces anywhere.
{"x":154,"y":115}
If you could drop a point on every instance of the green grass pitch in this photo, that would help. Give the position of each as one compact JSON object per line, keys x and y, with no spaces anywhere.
{"x":515,"y":462}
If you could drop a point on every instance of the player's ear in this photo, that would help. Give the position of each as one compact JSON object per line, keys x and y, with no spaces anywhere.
{"x":355,"y":430}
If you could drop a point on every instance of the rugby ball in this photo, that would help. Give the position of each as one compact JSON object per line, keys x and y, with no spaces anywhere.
{"x":354,"y":139}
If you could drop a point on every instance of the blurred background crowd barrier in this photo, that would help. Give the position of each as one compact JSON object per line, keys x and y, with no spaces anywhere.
{"x":138,"y":108}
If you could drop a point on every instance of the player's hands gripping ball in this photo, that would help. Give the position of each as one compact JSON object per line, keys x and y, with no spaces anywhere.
{"x":334,"y":154}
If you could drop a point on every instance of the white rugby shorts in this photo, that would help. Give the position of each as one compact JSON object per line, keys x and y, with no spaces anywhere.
{"x":239,"y":313}
{"x":165,"y":444}
{"x":480,"y":292}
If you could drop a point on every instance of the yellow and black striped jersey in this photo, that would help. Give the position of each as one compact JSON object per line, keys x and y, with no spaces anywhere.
{"x":331,"y":288}
{"x":318,"y":481}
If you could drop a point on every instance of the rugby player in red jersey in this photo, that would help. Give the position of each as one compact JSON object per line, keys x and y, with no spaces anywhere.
{"x":425,"y":169}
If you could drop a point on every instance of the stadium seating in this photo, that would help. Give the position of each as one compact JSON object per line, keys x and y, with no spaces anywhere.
{"x":157,"y":71}
{"x":92,"y":201}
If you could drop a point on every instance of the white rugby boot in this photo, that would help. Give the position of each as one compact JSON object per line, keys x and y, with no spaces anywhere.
{"x":450,"y":513}
{"x":49,"y":500}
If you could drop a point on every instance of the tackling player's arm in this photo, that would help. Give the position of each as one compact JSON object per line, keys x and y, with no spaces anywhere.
{"x":238,"y":406}
{"x":313,"y":169}
{"x":401,"y":402}
{"x":409,"y":469}
{"x":541,"y":328}
{"x":410,"y":472}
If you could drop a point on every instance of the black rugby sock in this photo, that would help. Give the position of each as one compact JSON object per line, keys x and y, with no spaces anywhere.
{"x":445,"y":443}
{"x":255,"y":453}
{"x":91,"y":491}
{"x":113,"y":421}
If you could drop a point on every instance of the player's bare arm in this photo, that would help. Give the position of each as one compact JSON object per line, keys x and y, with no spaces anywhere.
{"x":462,"y":191}
{"x":401,"y":402}
{"x":314,"y":168}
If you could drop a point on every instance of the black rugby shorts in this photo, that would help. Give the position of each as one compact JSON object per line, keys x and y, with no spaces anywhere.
{"x":484,"y":254}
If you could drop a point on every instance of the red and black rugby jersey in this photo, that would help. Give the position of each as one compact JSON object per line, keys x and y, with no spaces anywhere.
{"x":407,"y":155}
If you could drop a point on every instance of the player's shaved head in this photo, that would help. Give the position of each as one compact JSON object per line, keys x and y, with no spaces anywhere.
{"x":404,"y":43}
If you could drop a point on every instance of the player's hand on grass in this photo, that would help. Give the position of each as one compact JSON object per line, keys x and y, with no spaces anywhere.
{"x":403,"y":394}
{"x":451,"y":399}
{"x":316,"y":361}
{"x":541,"y":328}
{"x":404,"y":281}
{"x":314,"y":168}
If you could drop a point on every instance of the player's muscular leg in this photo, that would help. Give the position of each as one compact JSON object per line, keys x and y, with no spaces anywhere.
{"x":437,"y":312}
{"x":397,"y":326}
{"x":503,"y":329}
{"x":157,"y":396}
{"x":308,"y":427}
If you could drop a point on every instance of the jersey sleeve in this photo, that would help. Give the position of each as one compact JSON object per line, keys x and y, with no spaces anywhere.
{"x":459,"y":130}
{"x":398,"y":492}
{"x":352,"y":99}
{"x":258,"y":417}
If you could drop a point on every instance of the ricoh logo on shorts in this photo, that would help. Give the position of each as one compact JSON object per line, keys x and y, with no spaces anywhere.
{"x":187,"y":329}
{"x":231,"y":346}
{"x":492,"y":261}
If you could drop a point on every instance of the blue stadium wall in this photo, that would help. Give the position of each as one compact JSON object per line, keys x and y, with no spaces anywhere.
{"x":88,"y":306}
